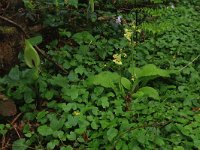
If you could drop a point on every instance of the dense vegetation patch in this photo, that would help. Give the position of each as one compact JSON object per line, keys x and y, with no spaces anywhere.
{"x":128,"y":77}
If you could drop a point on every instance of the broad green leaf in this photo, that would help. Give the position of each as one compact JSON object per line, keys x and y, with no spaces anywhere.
{"x":147,"y":91}
{"x":159,"y":141}
{"x":31,"y":56}
{"x":19,"y":145}
{"x":149,"y":70}
{"x":83,"y":37}
{"x":126,"y":83}
{"x":112,"y":133}
{"x":105,"y":79}
{"x":44,"y":130}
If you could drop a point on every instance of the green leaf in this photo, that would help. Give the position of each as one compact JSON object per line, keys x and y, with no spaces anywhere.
{"x":44,"y":130}
{"x":80,"y":70}
{"x":178,"y":148}
{"x":126,"y":83}
{"x":105,"y":79}
{"x":73,"y":3}
{"x":197,"y":143}
{"x":52,"y":144}
{"x":83,"y":37}
{"x":19,"y":145}
{"x":74,"y":93}
{"x":141,"y":136}
{"x":35,"y":40}
{"x":112,"y":133}
{"x":159,"y":141}
{"x":72,"y":120}
{"x":91,"y":3}
{"x":94,"y":125}
{"x":31,"y":56}
{"x":104,"y":102}
{"x":14,"y":73}
{"x":147,"y":91}
{"x":71,"y":136}
{"x":149,"y":70}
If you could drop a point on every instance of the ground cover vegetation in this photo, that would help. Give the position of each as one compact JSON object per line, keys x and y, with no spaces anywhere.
{"x":120,"y":74}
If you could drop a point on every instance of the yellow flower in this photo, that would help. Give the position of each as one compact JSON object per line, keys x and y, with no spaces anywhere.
{"x":117,"y":59}
{"x":138,"y":30}
{"x":128,"y":34}
{"x":76,"y":113}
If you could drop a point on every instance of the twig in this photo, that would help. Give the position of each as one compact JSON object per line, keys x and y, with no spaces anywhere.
{"x":190,"y":63}
{"x":46,"y":56}
{"x":15,"y":119}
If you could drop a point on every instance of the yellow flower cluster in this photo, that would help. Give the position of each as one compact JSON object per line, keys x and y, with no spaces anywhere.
{"x":76,"y":113}
{"x":117,"y":59}
{"x":128,"y":34}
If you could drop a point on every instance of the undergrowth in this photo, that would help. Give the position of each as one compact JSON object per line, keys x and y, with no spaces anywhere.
{"x":132,"y":82}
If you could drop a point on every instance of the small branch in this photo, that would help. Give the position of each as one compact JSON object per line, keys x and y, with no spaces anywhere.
{"x":15,"y":119}
{"x":190,"y":63}
{"x":40,"y":51}
{"x":14,"y":24}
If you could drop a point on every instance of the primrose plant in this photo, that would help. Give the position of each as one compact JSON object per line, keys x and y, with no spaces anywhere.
{"x":136,"y":86}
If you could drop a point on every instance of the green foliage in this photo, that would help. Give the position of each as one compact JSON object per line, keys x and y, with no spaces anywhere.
{"x":31,"y":56}
{"x":101,"y":104}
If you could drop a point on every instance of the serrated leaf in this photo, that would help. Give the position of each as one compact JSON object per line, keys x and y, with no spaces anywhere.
{"x":31,"y":56}
{"x":112,"y":133}
{"x":126,"y":83}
